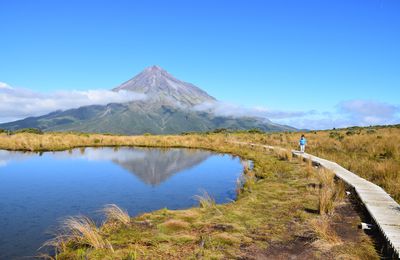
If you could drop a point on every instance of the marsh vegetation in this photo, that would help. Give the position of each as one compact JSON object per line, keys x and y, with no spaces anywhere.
{"x":372,"y":152}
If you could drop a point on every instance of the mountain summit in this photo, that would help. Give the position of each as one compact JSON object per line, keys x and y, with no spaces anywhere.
{"x":158,"y":85}
{"x":167,"y":109}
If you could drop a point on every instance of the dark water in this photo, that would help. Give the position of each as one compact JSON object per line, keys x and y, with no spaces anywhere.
{"x":39,"y":190}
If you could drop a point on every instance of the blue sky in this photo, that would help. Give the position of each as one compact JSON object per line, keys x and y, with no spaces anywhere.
{"x":313,"y":63}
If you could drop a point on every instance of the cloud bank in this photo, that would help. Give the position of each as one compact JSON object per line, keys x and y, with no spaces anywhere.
{"x":229,"y":109}
{"x":344,"y":114}
{"x":18,"y":103}
{"x":350,"y":113}
{"x":369,"y":112}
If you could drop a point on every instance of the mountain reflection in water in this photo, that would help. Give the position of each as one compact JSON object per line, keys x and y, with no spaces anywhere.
{"x":152,"y":166}
{"x":156,"y":166}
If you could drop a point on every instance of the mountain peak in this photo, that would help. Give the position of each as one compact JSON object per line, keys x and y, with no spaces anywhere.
{"x":156,"y":71}
{"x":158,"y":85}
{"x":154,"y":68}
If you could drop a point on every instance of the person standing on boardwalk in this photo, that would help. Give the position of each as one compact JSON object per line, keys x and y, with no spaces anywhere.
{"x":302,"y":143}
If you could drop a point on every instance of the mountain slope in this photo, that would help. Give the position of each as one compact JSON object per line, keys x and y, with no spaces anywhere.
{"x":160,"y":86}
{"x":167,"y":109}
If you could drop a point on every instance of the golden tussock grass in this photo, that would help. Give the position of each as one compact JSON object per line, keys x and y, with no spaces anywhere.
{"x":331,"y":191}
{"x":325,"y":177}
{"x":226,"y":238}
{"x":79,"y":231}
{"x":205,"y":200}
{"x":326,"y":201}
{"x":340,"y":193}
{"x":174,"y":225}
{"x":284,"y":154}
{"x":323,"y":231}
{"x":114,"y":213}
{"x":247,"y":180}
{"x":309,"y":169}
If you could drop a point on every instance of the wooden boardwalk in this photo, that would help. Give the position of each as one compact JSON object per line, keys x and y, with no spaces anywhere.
{"x":384,"y":210}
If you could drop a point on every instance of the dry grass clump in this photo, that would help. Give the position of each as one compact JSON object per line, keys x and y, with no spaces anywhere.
{"x":188,"y":215}
{"x":205,"y":200}
{"x":78,"y":231}
{"x":326,"y":201}
{"x":247,"y":180}
{"x":240,"y":181}
{"x":323,"y":231}
{"x":284,"y":154}
{"x":81,"y":231}
{"x":174,"y":225}
{"x":326,"y":177}
{"x":246,"y":166}
{"x":114,"y":213}
{"x":340,"y":193}
{"x":309,"y":169}
{"x":328,"y":192}
{"x":226,"y":238}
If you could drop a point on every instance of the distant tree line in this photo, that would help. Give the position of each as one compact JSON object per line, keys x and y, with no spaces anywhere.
{"x":22,"y":130}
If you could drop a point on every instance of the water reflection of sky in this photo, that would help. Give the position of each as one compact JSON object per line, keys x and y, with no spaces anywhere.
{"x":38,"y":190}
{"x":91,"y":154}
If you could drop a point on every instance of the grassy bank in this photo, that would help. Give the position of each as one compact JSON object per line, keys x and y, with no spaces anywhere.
{"x":285,"y":207}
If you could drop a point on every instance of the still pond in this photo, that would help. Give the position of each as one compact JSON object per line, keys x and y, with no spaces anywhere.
{"x":38,"y":190}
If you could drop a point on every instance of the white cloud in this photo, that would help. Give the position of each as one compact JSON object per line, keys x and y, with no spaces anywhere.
{"x":4,"y":86}
{"x":17,"y":103}
{"x":228,"y":109}
{"x":346,"y":113}
{"x":350,"y":113}
{"x":369,"y":112}
{"x":316,"y":122}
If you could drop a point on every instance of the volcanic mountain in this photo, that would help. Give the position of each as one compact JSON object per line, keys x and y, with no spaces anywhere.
{"x":162,"y":87}
{"x":169,"y":107}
